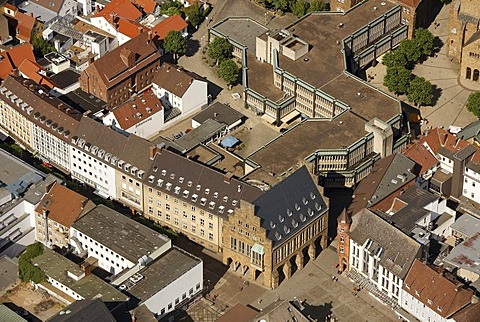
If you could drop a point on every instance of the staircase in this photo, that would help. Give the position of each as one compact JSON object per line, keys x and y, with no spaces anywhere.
{"x":367,"y":284}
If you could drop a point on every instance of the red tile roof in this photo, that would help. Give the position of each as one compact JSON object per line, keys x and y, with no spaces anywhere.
{"x":161,"y":30}
{"x":129,"y":28}
{"x":64,"y":206}
{"x":32,"y":70}
{"x":25,"y":26}
{"x":421,"y":156}
{"x":438,"y":138}
{"x":12,"y":58}
{"x":441,"y":293}
{"x":410,"y":3}
{"x":147,"y":5}
{"x":137,"y":110}
{"x":120,"y":8}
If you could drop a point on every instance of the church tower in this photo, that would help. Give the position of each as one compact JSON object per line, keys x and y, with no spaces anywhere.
{"x":343,"y":240}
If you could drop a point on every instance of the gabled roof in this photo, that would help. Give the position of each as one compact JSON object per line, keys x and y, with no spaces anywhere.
{"x":111,"y":66}
{"x":24,"y":26}
{"x":468,"y":314}
{"x":129,"y":28}
{"x":174,"y":79}
{"x":220,"y":113}
{"x":398,"y":251}
{"x":472,"y":130}
{"x":137,"y":110}
{"x":32,"y":71}
{"x":175,"y":23}
{"x":52,"y":5}
{"x":344,"y":217}
{"x":63,"y":205}
{"x":439,"y":138}
{"x":440,"y":292}
{"x":408,"y":208}
{"x":290,"y":206}
{"x":12,"y":58}
{"x":148,"y":6}
{"x":387,"y":176}
{"x":204,"y":187}
{"x":84,"y":310}
{"x":418,"y":153}
{"x":120,"y":8}
{"x":410,"y":3}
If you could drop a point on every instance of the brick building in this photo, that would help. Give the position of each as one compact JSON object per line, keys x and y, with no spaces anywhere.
{"x":464,"y":38}
{"x":268,"y":239}
{"x":125,"y":70}
{"x":59,"y":208}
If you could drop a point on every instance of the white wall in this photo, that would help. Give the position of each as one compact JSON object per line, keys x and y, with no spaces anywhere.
{"x":51,"y":148}
{"x":446,"y":164}
{"x":418,"y":309}
{"x":97,"y":174}
{"x":195,"y":97}
{"x":104,"y":255}
{"x":149,"y":126}
{"x":183,"y":285}
{"x":471,"y":185}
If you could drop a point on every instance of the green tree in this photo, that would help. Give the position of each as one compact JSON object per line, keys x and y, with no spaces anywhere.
{"x":26,"y":270}
{"x":394,"y":58}
{"x":281,"y":5}
{"x":473,"y":103}
{"x":397,"y":79}
{"x":317,"y":5}
{"x":41,"y":46}
{"x":165,"y":7}
{"x":411,"y":52}
{"x":423,"y":40}
{"x":228,"y":71}
{"x":300,"y":8}
{"x":219,"y":49}
{"x":420,"y":92}
{"x":175,"y":43}
{"x":193,"y":15}
{"x":173,"y":11}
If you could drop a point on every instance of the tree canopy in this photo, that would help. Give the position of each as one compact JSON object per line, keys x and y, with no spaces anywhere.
{"x":409,"y":50}
{"x":424,"y":41}
{"x":175,"y":43}
{"x":41,"y":47}
{"x":228,"y":71}
{"x":219,"y":49}
{"x":26,"y":270}
{"x":420,"y":91}
{"x":397,"y":79}
{"x":394,"y":58}
{"x":193,"y":15}
{"x":300,"y":8}
{"x":473,"y":103}
{"x":317,"y":5}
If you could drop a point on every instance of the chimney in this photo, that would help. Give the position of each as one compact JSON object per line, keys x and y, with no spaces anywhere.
{"x":227,"y":178}
{"x":445,"y":137}
{"x":153,"y":150}
{"x":149,"y":36}
{"x":84,"y":203}
{"x":31,"y":14}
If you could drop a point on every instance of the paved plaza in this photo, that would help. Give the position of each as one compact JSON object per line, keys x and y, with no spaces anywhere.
{"x":451,"y":93}
{"x":313,"y":284}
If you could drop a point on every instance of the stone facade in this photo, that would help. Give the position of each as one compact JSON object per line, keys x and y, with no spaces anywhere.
{"x":463,"y":40}
{"x":247,"y":249}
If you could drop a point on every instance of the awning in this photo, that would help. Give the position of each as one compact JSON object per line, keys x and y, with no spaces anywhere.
{"x":268,"y":118}
{"x":257,"y":248}
{"x":229,"y":141}
{"x":290,"y":116}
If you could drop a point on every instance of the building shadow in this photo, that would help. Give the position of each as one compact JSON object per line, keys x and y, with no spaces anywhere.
{"x":21,"y":312}
{"x":213,"y":90}
{"x":318,"y":312}
{"x":339,"y":199}
{"x":214,"y":269}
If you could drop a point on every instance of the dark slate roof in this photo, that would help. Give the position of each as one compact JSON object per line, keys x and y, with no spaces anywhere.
{"x":199,"y":135}
{"x":84,"y":310}
{"x":414,"y":199}
{"x":470,"y":131}
{"x":399,"y":250}
{"x":198,"y":184}
{"x":465,"y":152}
{"x":220,"y":113}
{"x":290,"y":206}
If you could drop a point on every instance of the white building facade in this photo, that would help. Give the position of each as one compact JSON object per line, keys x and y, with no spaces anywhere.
{"x":471,"y":183}
{"x":368,"y":264}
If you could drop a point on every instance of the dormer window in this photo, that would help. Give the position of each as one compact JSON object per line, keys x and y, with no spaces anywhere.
{"x":169,"y":186}
{"x":203,"y":201}
{"x":215,"y":195}
{"x":207,"y":191}
{"x":211,"y":205}
{"x":164,"y":172}
{"x":177,"y":190}
{"x":181,"y":179}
